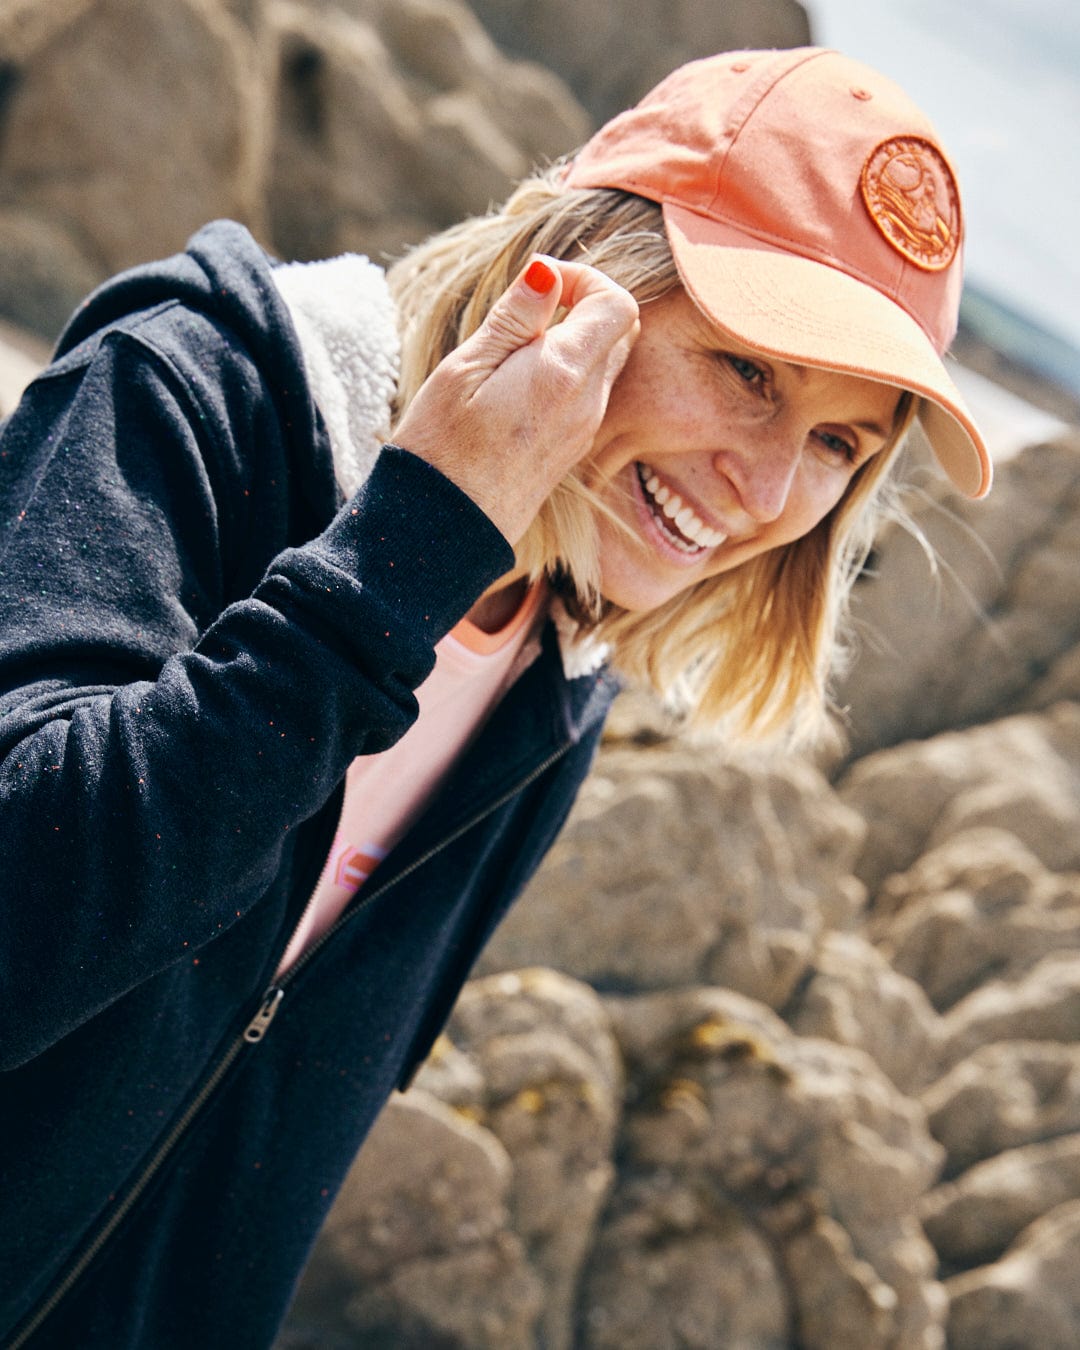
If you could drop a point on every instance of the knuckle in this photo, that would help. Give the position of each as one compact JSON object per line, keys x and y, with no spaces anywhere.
{"x":506,"y":327}
{"x":563,"y":376}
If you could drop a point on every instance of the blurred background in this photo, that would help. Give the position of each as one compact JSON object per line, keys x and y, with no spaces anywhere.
{"x":776,"y":1054}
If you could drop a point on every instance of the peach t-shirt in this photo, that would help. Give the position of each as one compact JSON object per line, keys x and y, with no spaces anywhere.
{"x":385,"y":793}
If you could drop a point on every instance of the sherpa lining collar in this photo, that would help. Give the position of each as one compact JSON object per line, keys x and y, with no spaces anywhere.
{"x":346,"y":321}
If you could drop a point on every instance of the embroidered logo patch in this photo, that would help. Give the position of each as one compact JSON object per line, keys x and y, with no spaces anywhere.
{"x":912,"y":198}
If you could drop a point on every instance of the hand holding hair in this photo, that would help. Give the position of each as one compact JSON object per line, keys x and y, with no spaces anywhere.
{"x":508,"y":413}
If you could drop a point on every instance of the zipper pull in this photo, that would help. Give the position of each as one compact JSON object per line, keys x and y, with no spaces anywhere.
{"x":257,"y":1028}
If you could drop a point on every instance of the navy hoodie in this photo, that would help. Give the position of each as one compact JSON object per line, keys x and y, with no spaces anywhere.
{"x":197,"y":635}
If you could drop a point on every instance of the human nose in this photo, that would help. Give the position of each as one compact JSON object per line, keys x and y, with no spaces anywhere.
{"x":762,"y":473}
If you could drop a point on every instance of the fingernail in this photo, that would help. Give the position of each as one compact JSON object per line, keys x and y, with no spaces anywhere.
{"x":539,"y":276}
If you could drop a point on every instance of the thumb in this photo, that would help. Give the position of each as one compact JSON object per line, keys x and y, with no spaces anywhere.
{"x":521,"y":314}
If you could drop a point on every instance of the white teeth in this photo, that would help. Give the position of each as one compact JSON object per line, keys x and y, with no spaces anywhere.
{"x":684,"y":518}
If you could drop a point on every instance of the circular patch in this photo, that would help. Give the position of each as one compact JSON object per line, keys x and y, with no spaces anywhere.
{"x":912,"y":198}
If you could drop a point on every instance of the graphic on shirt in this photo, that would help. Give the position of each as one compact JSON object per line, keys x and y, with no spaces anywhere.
{"x":355,"y":865}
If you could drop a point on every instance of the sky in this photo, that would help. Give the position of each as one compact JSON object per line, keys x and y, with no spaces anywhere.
{"x":1000,"y":79}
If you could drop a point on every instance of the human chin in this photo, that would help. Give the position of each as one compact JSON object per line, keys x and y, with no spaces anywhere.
{"x":629,"y":577}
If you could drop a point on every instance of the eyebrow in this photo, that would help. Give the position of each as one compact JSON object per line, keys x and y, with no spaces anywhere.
{"x":874,"y":428}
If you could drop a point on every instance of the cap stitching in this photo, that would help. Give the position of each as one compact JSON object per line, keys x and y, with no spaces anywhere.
{"x":774,"y":81}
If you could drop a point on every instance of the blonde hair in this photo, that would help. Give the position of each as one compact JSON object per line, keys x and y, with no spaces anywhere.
{"x":748,"y":651}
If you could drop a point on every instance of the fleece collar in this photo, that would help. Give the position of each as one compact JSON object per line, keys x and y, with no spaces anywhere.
{"x":346,"y":321}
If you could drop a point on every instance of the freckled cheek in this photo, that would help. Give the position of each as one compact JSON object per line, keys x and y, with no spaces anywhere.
{"x":811,"y":508}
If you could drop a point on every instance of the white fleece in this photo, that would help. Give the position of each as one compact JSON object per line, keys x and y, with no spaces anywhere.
{"x":347,"y":324}
{"x":346,"y":321}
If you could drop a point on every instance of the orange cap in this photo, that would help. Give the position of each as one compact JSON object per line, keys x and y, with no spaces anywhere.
{"x":813,"y":215}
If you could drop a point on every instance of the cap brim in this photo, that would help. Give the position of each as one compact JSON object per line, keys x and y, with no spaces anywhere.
{"x":810,"y":313}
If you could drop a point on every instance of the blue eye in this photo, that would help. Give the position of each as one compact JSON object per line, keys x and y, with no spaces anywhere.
{"x":838,"y":445}
{"x":747,"y":370}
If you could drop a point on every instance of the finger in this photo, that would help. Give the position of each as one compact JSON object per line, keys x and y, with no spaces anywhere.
{"x":601,"y":321}
{"x":521,"y":314}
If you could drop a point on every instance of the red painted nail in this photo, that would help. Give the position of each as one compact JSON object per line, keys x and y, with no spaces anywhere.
{"x":539,"y":276}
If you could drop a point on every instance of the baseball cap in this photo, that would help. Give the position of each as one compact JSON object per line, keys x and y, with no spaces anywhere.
{"x":812,"y":214}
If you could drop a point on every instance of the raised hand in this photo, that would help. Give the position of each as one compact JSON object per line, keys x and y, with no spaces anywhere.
{"x":508,"y":413}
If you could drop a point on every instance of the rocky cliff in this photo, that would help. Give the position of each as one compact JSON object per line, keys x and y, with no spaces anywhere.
{"x":774,"y":1053}
{"x":324,"y":125}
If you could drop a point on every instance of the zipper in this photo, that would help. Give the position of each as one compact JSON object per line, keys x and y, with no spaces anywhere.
{"x":255,"y":1030}
{"x":367,"y":897}
{"x":252,"y":1034}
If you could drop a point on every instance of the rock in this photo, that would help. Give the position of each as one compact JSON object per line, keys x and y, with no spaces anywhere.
{"x":493,"y":1012}
{"x":854,"y":997}
{"x":417,"y":1250}
{"x":1021,"y":774}
{"x":128,"y":167}
{"x":1005,"y":592}
{"x":466,"y":1221}
{"x":978,"y":907}
{"x":840,"y":1301}
{"x":1029,"y":1298}
{"x":654,"y":1285}
{"x":345,"y":160}
{"x":395,"y":120}
{"x":1003,"y":1096}
{"x":736,"y":1130}
{"x":21,"y":357}
{"x":972,"y":1220}
{"x":678,"y":869}
{"x":610,"y":63}
{"x":440,"y":43}
{"x":1042,"y":1006}
{"x":28,"y":25}
{"x":638,"y":718}
{"x":44,"y":273}
{"x":552,"y":1096}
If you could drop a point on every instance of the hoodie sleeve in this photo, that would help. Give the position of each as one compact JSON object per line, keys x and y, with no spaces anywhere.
{"x":161,"y":730}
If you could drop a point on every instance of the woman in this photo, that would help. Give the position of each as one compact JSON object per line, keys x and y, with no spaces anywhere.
{"x":655,"y":399}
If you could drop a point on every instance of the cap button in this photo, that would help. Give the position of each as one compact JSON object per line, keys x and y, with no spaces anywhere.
{"x":864,"y":95}
{"x":739,"y":66}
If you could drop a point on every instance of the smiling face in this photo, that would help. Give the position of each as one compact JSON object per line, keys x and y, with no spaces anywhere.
{"x":711,"y":454}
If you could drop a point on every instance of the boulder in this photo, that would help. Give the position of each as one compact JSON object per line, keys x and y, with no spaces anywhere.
{"x":679,"y":868}
{"x":972,"y":1220}
{"x":345,"y":160}
{"x":738,"y":1131}
{"x":1029,"y":1298}
{"x":395,"y":120}
{"x":1021,"y":774}
{"x":1001,"y":585}
{"x":671,"y":1270}
{"x":44,"y":272}
{"x":1043,"y":1005}
{"x":21,"y":357}
{"x":854,"y":997}
{"x":129,"y":123}
{"x":418,"y":1249}
{"x":978,"y":907}
{"x":610,"y":63}
{"x":1003,"y":1096}
{"x":468,"y":1215}
{"x":552,"y":1096}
